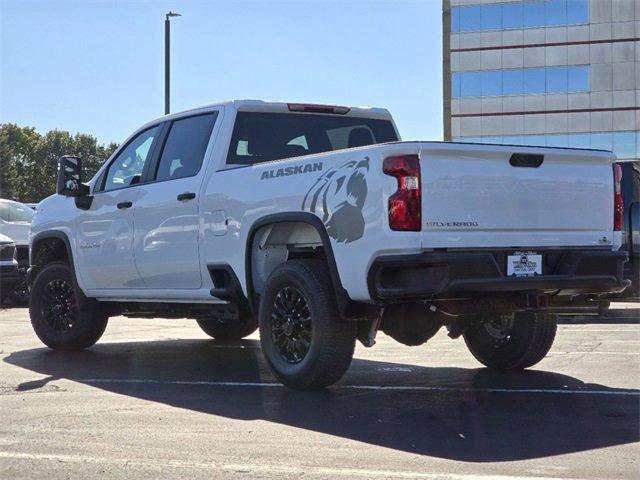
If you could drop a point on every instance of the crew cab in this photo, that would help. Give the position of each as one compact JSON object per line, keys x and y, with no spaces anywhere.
{"x":316,"y":225}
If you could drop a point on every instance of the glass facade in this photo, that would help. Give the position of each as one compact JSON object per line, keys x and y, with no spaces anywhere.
{"x":623,"y":144}
{"x":491,"y":83}
{"x":494,"y":75}
{"x":499,"y":16}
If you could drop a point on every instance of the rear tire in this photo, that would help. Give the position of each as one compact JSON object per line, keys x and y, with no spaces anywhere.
{"x":305,"y":342}
{"x":512,"y":345}
{"x":62,"y":317}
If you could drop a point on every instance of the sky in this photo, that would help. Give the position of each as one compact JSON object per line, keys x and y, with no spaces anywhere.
{"x":98,"y":67}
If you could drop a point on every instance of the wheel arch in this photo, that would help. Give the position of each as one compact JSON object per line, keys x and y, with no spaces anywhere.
{"x":345,"y":304}
{"x":46,"y":247}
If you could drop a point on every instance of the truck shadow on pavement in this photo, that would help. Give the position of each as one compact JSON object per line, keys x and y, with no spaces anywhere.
{"x":455,"y":413}
{"x":611,"y":316}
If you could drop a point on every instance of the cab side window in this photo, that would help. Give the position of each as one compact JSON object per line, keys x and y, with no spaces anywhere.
{"x":185,"y":147}
{"x":128,"y":166}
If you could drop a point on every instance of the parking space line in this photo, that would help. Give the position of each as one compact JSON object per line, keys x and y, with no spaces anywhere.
{"x":282,"y":469}
{"x":619,"y":328}
{"x":420,"y":388}
{"x":596,"y":352}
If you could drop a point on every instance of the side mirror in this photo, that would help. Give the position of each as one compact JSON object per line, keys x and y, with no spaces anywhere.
{"x":70,"y":177}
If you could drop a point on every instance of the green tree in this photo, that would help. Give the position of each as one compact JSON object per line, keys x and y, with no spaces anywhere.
{"x":29,"y":160}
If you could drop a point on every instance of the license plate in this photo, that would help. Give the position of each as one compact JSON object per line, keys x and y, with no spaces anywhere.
{"x":524,"y":264}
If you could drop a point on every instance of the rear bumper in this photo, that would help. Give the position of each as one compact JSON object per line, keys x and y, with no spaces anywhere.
{"x":430,"y":274}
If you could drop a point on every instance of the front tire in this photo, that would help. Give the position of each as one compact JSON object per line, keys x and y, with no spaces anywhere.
{"x":512,"y":343}
{"x":305,"y":342}
{"x":62,"y":317}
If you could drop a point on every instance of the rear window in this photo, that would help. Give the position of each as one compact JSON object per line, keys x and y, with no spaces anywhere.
{"x":263,"y":137}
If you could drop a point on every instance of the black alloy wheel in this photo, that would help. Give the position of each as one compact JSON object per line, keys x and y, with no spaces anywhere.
{"x":291,"y":330}
{"x":61,"y":315}
{"x":58,"y":305}
{"x":304,"y":340}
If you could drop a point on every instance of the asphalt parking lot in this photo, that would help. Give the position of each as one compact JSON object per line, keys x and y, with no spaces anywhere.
{"x":159,"y":399}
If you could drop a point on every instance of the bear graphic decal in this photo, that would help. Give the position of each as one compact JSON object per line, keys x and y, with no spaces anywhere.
{"x":338,"y":196}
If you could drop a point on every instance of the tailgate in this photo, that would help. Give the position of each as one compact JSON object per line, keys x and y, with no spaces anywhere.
{"x":473,"y":197}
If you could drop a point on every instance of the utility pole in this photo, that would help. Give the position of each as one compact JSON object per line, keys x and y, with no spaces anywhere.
{"x":167,"y":59}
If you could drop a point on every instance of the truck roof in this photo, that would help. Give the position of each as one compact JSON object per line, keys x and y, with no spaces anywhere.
{"x":266,"y":106}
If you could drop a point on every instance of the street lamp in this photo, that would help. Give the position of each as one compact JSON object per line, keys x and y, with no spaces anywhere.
{"x":167,"y":46}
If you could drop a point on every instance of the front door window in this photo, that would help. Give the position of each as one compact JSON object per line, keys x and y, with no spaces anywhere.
{"x":128,"y":166}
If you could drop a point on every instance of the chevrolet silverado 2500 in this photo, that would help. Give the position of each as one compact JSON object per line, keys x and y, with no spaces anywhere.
{"x":318,"y":226}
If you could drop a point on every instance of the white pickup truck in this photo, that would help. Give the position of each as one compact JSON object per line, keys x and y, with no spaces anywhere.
{"x":318,"y":226}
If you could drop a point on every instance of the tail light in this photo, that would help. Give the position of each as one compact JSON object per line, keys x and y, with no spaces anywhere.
{"x":405,"y":210}
{"x":618,"y":202}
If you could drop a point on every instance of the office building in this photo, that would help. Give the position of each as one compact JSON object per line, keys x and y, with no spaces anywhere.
{"x":543,"y":72}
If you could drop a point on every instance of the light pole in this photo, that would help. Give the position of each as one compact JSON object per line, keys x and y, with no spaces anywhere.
{"x":167,"y":61}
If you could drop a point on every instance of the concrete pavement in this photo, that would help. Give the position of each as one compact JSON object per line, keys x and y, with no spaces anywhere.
{"x":159,"y":399}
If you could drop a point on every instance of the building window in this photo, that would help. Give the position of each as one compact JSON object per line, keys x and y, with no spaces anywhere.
{"x":491,"y":83}
{"x":577,"y":11}
{"x":512,"y":82}
{"x":455,"y":19}
{"x":455,"y":85}
{"x":625,"y":145}
{"x":528,"y":14}
{"x":556,"y":80}
{"x":578,"y":78}
{"x":534,"y":80}
{"x":470,"y":18}
{"x":556,"y":12}
{"x":534,"y":14}
{"x":512,"y":15}
{"x":470,"y":84}
{"x":561,"y":140}
{"x":519,"y":81}
{"x":602,"y":141}
{"x":579,"y":140}
{"x":491,"y":17}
